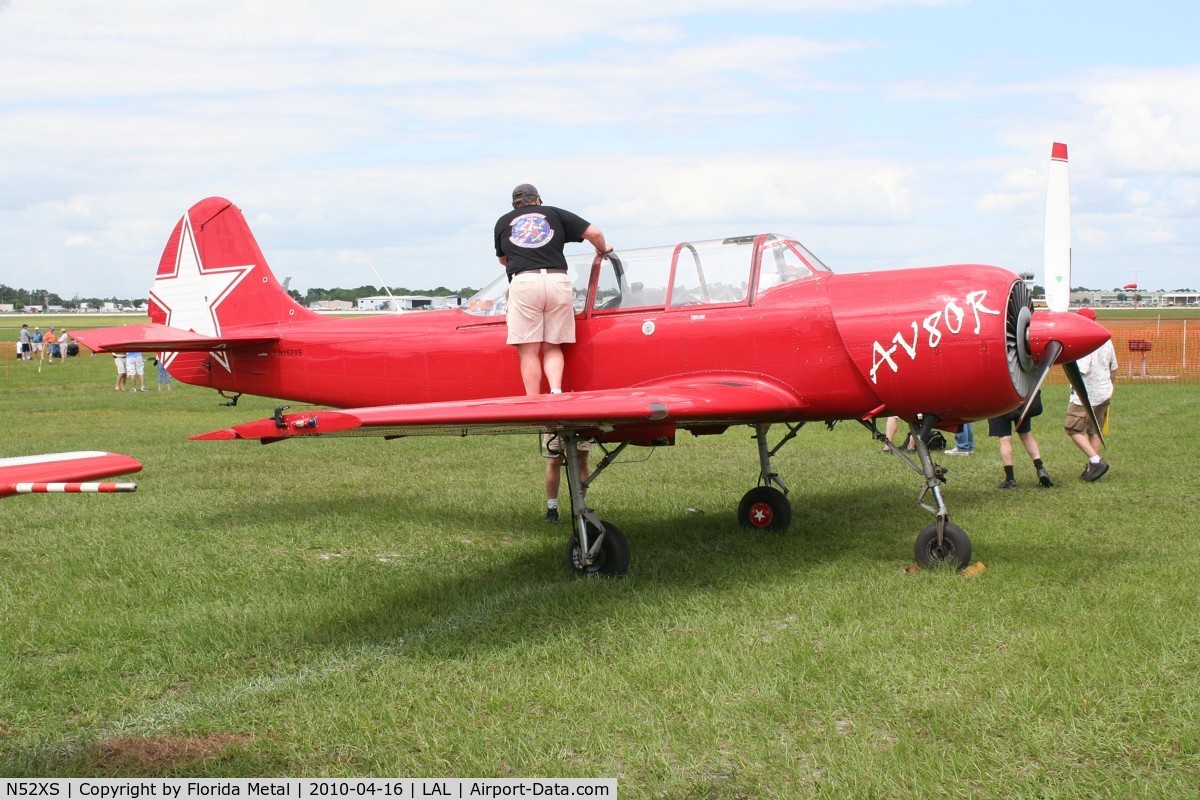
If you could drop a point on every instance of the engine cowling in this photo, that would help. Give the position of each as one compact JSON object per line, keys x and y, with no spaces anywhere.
{"x":960,"y":342}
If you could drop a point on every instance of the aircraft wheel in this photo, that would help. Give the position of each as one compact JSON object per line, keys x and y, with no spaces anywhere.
{"x":765,"y":508}
{"x":954,"y":550}
{"x":611,"y":561}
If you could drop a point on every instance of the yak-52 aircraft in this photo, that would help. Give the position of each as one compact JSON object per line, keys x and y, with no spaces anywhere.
{"x":65,"y":473}
{"x":695,"y":336}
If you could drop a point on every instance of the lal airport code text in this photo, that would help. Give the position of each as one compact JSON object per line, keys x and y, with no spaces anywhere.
{"x":305,"y":789}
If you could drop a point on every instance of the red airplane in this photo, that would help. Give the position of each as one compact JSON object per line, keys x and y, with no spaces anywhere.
{"x":56,"y":473}
{"x":695,"y":336}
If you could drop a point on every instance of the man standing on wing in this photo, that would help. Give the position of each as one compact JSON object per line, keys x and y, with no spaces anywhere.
{"x":541,"y":314}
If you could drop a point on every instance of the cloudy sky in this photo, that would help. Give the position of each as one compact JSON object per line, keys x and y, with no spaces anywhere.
{"x":881,"y":133}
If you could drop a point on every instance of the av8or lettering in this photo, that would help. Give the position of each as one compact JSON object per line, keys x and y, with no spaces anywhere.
{"x":951,"y":317}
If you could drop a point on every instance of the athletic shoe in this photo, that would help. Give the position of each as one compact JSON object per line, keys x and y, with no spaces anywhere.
{"x":1095,"y":471}
{"x":954,"y":451}
{"x":552,"y":516}
{"x":1044,"y":478}
{"x":1008,"y":483}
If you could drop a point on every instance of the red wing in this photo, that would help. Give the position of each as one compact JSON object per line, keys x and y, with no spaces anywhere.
{"x":156,"y":338}
{"x":711,"y":400}
{"x":63,"y":467}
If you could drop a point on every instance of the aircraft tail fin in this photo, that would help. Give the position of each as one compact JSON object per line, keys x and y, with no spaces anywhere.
{"x":212,"y":276}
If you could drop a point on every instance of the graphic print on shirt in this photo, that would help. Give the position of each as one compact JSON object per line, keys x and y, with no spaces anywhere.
{"x":531,"y":230}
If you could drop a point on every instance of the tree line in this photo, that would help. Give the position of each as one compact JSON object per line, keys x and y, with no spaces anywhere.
{"x":317,"y":295}
{"x":20,"y":298}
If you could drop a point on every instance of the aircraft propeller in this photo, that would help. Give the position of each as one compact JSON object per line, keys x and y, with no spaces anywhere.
{"x":1057,"y":268}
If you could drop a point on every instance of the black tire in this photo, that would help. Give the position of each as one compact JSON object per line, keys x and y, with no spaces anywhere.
{"x":613,"y":559}
{"x":765,"y":508}
{"x":954,"y":551}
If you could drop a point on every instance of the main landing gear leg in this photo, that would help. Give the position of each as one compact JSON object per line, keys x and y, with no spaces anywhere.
{"x":766,"y":506}
{"x":943,"y":542}
{"x":595,"y":547}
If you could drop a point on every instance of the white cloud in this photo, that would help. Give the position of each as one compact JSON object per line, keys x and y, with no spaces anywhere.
{"x":1148,"y":120}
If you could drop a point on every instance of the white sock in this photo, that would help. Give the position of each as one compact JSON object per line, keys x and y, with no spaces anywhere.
{"x":1094,"y":459}
{"x":556,"y":391}
{"x":552,"y":503}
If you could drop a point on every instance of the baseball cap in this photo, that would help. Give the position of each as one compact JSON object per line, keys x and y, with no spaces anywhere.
{"x":1087,"y":312}
{"x":525,"y":190}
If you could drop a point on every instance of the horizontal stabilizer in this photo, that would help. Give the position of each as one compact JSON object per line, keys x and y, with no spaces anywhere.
{"x":709,"y":401}
{"x":161,"y":338}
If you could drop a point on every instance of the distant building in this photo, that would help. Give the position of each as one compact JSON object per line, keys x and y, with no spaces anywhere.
{"x":1178,"y":299}
{"x":376,"y":303}
{"x":407,"y":302}
{"x":331,"y":305}
{"x":1119,"y":298}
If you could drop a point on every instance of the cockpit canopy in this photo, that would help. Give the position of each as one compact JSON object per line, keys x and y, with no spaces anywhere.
{"x":730,"y":271}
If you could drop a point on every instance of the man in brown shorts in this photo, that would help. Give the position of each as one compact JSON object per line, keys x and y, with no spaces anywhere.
{"x":541,"y":315}
{"x":1098,"y":370}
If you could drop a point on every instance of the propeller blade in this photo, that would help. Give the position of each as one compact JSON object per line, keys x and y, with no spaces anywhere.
{"x":1057,"y":256}
{"x":1053,"y":349}
{"x":1076,"y":379}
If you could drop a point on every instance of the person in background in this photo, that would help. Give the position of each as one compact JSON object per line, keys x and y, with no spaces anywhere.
{"x":1098,"y":369}
{"x":529,"y":242}
{"x":26,"y":343}
{"x":119,"y":362}
{"x":135,"y":366}
{"x":1002,"y":428}
{"x":50,"y":342}
{"x":164,"y":377}
{"x":964,"y":442}
{"x":554,"y":466}
{"x":893,"y":425}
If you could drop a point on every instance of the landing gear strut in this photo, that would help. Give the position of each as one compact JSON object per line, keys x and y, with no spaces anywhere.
{"x":943,"y":542}
{"x":766,"y":506}
{"x":595,"y":547}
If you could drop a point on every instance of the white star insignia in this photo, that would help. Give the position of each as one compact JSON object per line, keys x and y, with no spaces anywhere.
{"x":191,"y":293}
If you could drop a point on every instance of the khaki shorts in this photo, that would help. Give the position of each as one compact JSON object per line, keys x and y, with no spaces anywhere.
{"x":540,"y":308}
{"x":1078,"y":420}
{"x":551,"y":445}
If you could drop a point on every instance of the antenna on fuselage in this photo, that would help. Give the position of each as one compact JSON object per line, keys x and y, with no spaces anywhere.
{"x":395,"y":303}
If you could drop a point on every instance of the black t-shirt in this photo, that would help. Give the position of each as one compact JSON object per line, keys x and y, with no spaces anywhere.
{"x":533,"y":237}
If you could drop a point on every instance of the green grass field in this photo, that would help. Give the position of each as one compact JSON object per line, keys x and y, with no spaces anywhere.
{"x":370,"y":608}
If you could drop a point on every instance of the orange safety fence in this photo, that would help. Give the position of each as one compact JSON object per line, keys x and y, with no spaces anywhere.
{"x":1154,"y":350}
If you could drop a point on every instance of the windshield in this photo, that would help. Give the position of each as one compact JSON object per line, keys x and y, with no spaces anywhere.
{"x":492,"y":300}
{"x":711,"y":272}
